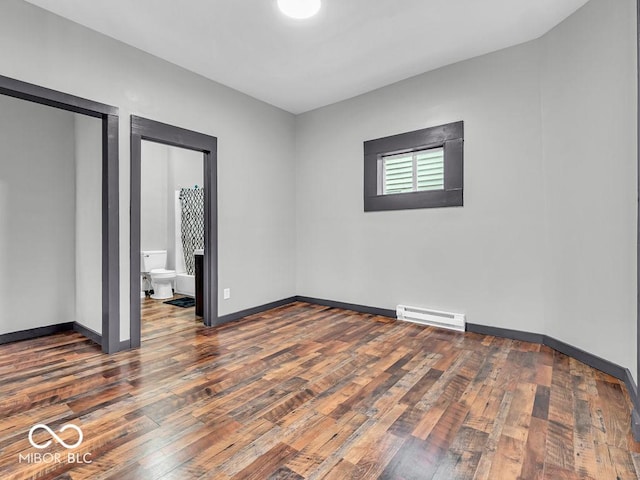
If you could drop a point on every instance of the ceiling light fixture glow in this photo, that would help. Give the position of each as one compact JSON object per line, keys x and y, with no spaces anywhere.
{"x":299,"y":9}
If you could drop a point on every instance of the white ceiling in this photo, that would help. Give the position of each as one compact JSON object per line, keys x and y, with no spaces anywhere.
{"x":350,"y":47}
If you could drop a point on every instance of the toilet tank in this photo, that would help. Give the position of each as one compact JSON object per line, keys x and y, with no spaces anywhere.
{"x":152,"y":259}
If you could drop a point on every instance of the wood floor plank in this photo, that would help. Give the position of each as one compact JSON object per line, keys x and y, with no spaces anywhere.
{"x":484,"y":466}
{"x":305,"y":392}
{"x":507,"y":462}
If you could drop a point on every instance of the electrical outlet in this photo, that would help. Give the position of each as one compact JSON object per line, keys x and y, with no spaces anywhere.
{"x":226,"y":293}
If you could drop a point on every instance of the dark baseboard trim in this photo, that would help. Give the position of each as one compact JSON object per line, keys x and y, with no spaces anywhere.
{"x":606,"y":366}
{"x":383,"y":312}
{"x":35,"y":332}
{"x":317,"y":301}
{"x":635,"y":424}
{"x":230,"y":317}
{"x":599,"y":363}
{"x":506,"y":333}
{"x":633,"y":390}
{"x":124,"y":345}
{"x":87,"y":332}
{"x":51,"y":330}
{"x":587,"y":358}
{"x":590,"y":359}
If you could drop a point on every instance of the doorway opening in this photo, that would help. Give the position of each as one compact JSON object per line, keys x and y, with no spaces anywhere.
{"x":171,"y":235}
{"x":75,"y":176}
{"x":173,"y":254}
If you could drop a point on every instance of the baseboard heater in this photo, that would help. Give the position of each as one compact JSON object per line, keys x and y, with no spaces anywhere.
{"x":436,"y":318}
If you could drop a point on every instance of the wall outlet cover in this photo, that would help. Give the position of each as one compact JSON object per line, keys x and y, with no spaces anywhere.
{"x":226,"y":293}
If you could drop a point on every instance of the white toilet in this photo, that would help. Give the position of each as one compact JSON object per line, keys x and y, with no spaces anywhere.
{"x":153,"y":263}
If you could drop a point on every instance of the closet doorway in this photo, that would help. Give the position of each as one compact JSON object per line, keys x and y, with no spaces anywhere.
{"x":99,"y":178}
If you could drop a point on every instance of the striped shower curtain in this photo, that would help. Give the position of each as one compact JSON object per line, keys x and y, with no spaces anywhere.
{"x":192,"y":205}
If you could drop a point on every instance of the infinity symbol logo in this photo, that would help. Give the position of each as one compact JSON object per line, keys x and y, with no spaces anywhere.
{"x":56,"y":437}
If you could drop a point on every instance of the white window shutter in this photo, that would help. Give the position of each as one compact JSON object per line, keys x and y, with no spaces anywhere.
{"x":418,"y":171}
{"x":430,"y":169}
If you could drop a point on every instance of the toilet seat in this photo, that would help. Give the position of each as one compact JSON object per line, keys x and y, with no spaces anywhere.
{"x":162,"y":273}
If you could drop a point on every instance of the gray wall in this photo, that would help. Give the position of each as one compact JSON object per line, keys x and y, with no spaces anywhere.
{"x":88,"y":221}
{"x":482,"y":259}
{"x":545,"y":241}
{"x":153,"y":196}
{"x":37,"y":216}
{"x":589,"y":150}
{"x":256,"y":162}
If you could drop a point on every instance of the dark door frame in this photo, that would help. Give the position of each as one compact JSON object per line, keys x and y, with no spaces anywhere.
{"x":110,"y":192}
{"x":145,"y":129}
{"x":635,"y":418}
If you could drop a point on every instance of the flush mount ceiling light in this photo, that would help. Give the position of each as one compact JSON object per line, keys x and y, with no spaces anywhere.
{"x":299,"y":9}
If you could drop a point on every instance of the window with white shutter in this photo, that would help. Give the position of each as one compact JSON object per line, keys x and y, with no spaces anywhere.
{"x":419,"y":169}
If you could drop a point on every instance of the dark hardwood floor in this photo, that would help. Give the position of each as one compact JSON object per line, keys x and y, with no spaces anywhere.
{"x":309,"y":392}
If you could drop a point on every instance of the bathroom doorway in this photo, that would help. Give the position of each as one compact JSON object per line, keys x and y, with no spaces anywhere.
{"x":173,"y":225}
{"x":171,"y":228}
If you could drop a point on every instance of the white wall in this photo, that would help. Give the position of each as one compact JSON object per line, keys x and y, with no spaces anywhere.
{"x":37,"y":216}
{"x":88,"y":221}
{"x":545,"y":241}
{"x":589,"y":151}
{"x":256,"y":163}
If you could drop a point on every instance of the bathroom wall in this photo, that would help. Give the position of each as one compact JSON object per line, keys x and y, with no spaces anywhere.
{"x":185,"y":170}
{"x":88,"y":219}
{"x":153,"y":196}
{"x":256,"y":193}
{"x":164,"y":169}
{"x":37,"y":216}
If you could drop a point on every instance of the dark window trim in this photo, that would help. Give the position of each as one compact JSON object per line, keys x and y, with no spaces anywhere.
{"x":110,"y":192}
{"x":449,"y":136}
{"x":145,"y":129}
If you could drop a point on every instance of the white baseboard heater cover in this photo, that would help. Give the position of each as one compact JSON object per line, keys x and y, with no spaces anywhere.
{"x":436,"y":318}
